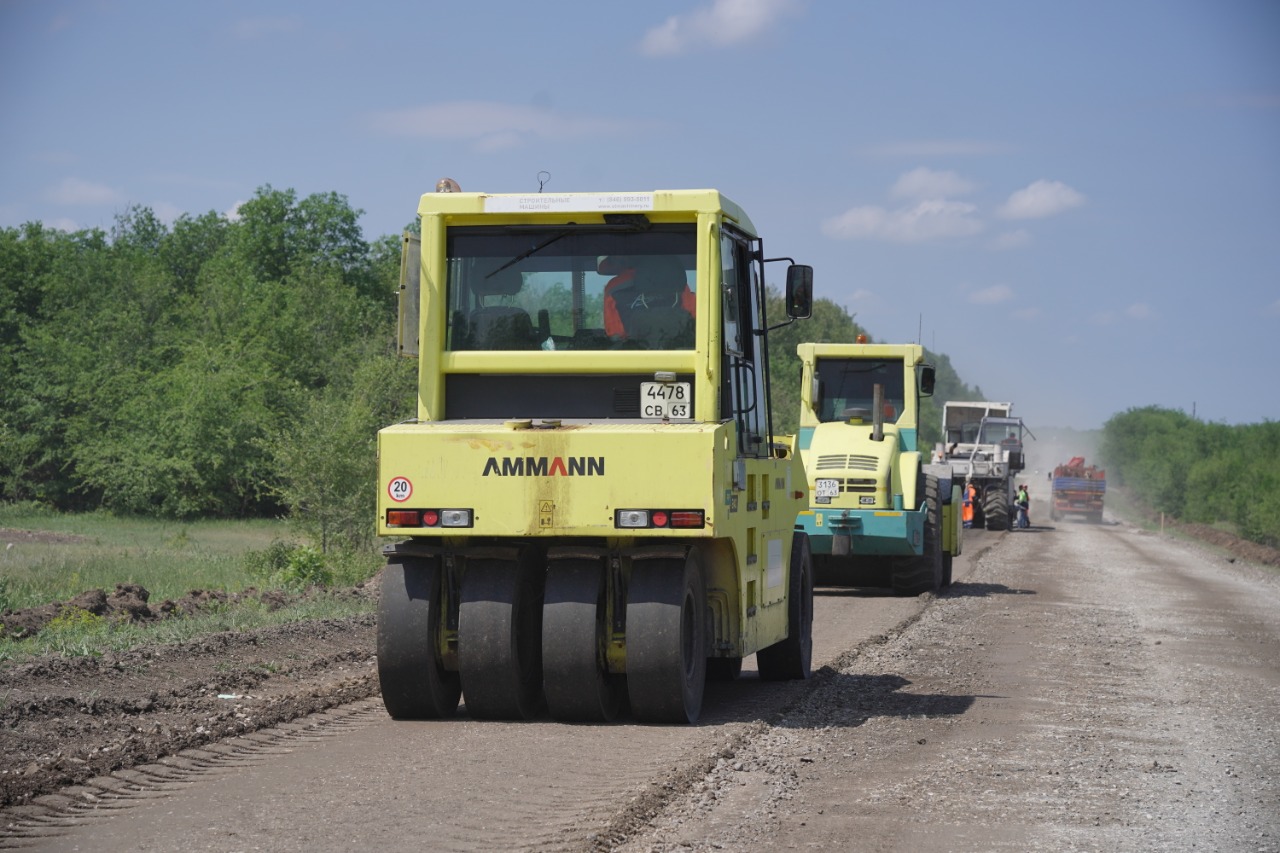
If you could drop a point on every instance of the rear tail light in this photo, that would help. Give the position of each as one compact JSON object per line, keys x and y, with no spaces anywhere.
{"x":404,"y":518}
{"x":430,"y":518}
{"x":688,"y":519}
{"x":631,"y":518}
{"x":455,"y":518}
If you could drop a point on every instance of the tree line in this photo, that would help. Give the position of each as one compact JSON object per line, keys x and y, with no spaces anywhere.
{"x":237,"y":366}
{"x":220,"y":367}
{"x":1206,"y":473}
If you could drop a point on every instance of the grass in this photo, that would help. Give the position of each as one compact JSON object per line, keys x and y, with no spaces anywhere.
{"x":54,"y":557}
{"x":98,"y":551}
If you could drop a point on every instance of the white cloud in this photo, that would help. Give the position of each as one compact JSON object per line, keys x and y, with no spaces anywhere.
{"x":991,"y":295}
{"x":1273,"y":309}
{"x":924,"y":183}
{"x":1010,"y":240}
{"x":1138,"y":311}
{"x":1040,"y":199}
{"x":76,"y":191}
{"x":233,"y":213}
{"x":252,"y":29}
{"x":166,"y":212}
{"x":1026,"y":313}
{"x":935,"y":219}
{"x":722,"y":23}
{"x":68,"y":226}
{"x":1104,"y":318}
{"x":494,"y":126}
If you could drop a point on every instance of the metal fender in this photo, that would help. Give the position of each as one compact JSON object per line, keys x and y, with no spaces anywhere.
{"x":909,"y":470}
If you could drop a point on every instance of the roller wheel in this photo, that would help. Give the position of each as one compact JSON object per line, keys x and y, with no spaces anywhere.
{"x":574,"y":635}
{"x":947,"y":560}
{"x":923,"y":573}
{"x":414,"y":684}
{"x":667,"y":640}
{"x":792,"y":658}
{"x":500,"y":638}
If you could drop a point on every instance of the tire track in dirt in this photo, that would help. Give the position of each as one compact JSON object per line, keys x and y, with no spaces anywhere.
{"x":50,"y":816}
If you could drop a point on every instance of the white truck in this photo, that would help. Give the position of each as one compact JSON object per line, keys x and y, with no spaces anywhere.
{"x":982,"y":442}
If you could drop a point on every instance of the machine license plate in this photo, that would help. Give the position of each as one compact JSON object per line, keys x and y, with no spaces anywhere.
{"x":666,"y":401}
{"x":828,"y":488}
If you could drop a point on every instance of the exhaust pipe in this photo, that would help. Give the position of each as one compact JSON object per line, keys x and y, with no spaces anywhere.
{"x":877,"y":412}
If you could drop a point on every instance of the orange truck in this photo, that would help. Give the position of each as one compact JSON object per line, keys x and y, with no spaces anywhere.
{"x":1078,"y":490}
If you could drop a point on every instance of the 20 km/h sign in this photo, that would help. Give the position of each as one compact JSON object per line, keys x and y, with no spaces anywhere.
{"x":400,"y":489}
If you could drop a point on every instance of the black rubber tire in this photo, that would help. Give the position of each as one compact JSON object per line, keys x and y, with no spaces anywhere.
{"x":923,"y":573}
{"x":792,"y":659}
{"x":500,"y":638}
{"x":415,"y":686}
{"x":724,"y":669}
{"x":947,"y":560}
{"x":575,"y":679}
{"x":667,"y":639}
{"x":995,"y":508}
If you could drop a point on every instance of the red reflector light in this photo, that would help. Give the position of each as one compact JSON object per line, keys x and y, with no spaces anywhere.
{"x":687,"y":518}
{"x":659,"y":518}
{"x":403,"y":518}
{"x":430,"y":518}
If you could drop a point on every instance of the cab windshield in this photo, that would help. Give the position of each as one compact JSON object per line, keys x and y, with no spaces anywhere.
{"x":1001,"y":433}
{"x":848,"y":386}
{"x":566,"y":288}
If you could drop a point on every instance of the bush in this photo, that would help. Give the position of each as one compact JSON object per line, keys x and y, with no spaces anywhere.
{"x":296,"y":567}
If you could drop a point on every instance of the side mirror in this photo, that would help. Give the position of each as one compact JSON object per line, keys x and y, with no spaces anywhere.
{"x":926,"y":380}
{"x":799,"y":291}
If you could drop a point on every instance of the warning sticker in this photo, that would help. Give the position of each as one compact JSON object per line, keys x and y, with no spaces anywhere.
{"x":400,"y":489}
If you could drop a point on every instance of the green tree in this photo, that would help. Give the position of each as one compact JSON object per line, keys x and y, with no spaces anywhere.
{"x":830,"y":323}
{"x":326,"y":460}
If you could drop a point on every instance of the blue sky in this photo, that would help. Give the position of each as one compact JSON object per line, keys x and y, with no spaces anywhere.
{"x":1078,"y":202}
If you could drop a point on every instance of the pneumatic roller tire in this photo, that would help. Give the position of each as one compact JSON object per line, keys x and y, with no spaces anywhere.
{"x":575,"y":632}
{"x":667,"y":639}
{"x":500,"y":638}
{"x":792,"y":659}
{"x":415,"y":685}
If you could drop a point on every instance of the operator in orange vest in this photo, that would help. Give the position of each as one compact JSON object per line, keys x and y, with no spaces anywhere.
{"x":970,"y":498}
{"x":623,"y":271}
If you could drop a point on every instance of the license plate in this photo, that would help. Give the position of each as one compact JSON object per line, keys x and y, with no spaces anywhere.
{"x":828,"y":488}
{"x":666,"y":401}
